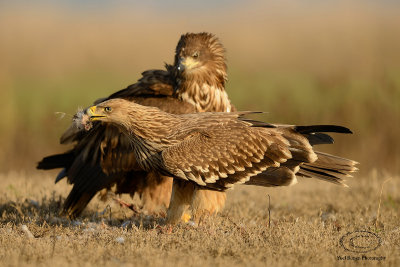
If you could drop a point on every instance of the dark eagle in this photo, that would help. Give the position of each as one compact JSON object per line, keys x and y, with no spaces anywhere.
{"x":217,"y":150}
{"x":102,"y":157}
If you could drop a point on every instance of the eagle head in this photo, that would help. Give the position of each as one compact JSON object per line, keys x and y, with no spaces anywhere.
{"x":112,"y":111}
{"x":199,"y":53}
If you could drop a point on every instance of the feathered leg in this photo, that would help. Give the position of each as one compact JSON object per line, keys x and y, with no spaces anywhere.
{"x":181,"y":198}
{"x":206,"y":202}
{"x":157,"y":194}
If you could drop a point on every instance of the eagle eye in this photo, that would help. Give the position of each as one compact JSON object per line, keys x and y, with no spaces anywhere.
{"x":195,"y":54}
{"x":107,"y":109}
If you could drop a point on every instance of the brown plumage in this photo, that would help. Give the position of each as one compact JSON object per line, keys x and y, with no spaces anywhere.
{"x":203,"y":151}
{"x":102,"y":157}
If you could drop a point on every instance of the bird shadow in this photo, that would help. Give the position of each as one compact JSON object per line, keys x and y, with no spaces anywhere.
{"x":48,"y":211}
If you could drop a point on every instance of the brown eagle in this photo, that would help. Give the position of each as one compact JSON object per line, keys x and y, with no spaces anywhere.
{"x":203,"y":151}
{"x":102,"y":157}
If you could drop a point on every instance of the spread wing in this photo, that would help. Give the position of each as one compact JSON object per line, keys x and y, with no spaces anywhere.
{"x":103,"y":156}
{"x":222,"y":156}
{"x":153,"y":83}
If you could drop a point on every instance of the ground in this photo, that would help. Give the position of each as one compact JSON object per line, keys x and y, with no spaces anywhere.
{"x":313,"y":222}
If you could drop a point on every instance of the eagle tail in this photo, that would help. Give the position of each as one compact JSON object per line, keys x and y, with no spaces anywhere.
{"x":326,"y":167}
{"x":329,"y":168}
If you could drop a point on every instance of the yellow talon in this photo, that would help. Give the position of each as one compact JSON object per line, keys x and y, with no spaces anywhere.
{"x":186,"y":217}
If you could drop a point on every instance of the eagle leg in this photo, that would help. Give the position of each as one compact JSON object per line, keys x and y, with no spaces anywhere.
{"x":156,"y":193}
{"x":182,"y":194}
{"x":206,"y":202}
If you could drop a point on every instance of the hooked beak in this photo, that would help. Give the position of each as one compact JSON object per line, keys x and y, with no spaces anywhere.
{"x":92,"y":114}
{"x":181,"y":64}
{"x":186,"y":64}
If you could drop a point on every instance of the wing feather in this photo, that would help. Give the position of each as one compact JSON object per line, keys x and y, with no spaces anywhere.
{"x":231,"y":154}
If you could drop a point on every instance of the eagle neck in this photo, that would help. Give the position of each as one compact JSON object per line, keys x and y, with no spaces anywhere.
{"x":148,"y":132}
{"x":207,"y":95}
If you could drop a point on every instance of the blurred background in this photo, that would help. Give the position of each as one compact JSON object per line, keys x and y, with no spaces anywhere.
{"x":305,"y":62}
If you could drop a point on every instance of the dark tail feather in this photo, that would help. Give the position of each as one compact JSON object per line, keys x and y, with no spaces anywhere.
{"x":322,"y":129}
{"x":319,"y":139}
{"x":88,"y":180}
{"x":63,"y":173}
{"x":316,"y":134}
{"x":329,"y":168}
{"x":56,"y":161}
{"x":76,"y":202}
{"x":84,"y":188}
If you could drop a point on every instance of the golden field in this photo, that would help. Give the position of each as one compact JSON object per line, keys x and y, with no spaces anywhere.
{"x":336,"y":62}
{"x":304,"y":228}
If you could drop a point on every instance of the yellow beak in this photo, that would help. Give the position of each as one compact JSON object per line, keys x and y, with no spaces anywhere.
{"x":91,"y":111}
{"x":92,"y":114}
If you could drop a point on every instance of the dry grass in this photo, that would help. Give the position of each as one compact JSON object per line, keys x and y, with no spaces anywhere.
{"x":307,"y":222}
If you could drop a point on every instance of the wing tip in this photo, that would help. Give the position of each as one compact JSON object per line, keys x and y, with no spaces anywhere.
{"x":61,"y":175}
{"x":323,"y":128}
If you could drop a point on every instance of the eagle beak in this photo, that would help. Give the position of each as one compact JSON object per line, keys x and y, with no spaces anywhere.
{"x":181,"y":64}
{"x":187,"y":63}
{"x":92,"y":114}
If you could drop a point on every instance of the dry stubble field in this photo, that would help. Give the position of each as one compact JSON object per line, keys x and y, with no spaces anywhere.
{"x":306,"y":225}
